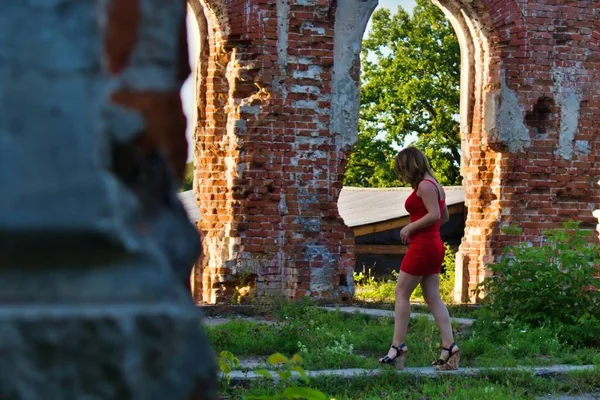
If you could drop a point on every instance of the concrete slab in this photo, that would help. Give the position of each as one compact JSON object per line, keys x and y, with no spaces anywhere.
{"x":549,"y":371}
{"x":582,"y":396}
{"x":388,"y":313}
{"x":215,"y":321}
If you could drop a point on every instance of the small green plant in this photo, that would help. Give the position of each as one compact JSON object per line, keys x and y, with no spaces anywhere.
{"x":287,"y":368}
{"x":371,"y":289}
{"x":552,"y":285}
{"x":447,"y":276}
{"x":382,"y":290}
{"x":364,"y":277}
{"x":227,"y":362}
{"x":339,"y":349}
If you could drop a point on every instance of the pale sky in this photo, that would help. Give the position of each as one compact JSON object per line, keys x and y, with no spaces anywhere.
{"x":187,"y":91}
{"x":392,"y":5}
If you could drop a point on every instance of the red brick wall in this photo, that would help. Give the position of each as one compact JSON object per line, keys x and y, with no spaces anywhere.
{"x":545,"y":53}
{"x":268,"y":171}
{"x":269,"y":165}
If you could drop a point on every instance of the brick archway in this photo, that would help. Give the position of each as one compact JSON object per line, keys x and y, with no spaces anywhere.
{"x":211,"y":91}
{"x":277,"y":117}
{"x":527,"y":120}
{"x":212,"y":144}
{"x":482,"y":157}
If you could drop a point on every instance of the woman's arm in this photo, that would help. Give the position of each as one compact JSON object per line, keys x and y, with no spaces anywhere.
{"x":429,"y":194}
{"x":445,"y":215}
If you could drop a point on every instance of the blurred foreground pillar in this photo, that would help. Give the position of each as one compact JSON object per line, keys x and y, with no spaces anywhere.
{"x":94,"y":244}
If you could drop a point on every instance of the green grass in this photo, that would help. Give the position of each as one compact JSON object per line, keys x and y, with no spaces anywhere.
{"x":493,"y":386}
{"x":340,"y":340}
{"x":376,"y":291}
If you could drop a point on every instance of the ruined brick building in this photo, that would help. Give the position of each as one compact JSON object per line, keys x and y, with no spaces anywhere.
{"x":95,"y":246}
{"x":277,"y":94}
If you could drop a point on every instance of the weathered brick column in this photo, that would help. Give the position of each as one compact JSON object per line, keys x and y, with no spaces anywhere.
{"x":530,"y":92}
{"x":270,"y":148}
{"x":95,"y":247}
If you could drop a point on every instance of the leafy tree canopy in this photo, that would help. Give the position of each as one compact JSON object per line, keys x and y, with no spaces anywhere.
{"x":410,"y":92}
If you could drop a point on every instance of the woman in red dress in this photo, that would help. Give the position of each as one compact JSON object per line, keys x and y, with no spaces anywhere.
{"x":423,"y":260}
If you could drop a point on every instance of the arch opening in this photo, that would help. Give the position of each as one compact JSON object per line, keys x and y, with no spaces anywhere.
{"x":214,"y":154}
{"x":481,"y":164}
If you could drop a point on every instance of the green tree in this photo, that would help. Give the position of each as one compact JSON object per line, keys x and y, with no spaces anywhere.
{"x":371,"y":162}
{"x":188,"y":179}
{"x":410,"y":90}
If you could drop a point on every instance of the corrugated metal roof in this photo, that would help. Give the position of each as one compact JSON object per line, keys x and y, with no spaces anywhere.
{"x":364,"y":206}
{"x":188,"y":198}
{"x":358,"y":206}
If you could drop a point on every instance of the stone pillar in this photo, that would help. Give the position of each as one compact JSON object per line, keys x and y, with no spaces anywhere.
{"x":95,"y":247}
{"x":271,"y":146}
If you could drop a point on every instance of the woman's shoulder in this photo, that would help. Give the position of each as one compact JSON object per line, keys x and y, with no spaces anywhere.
{"x":432,"y":186}
{"x":428,"y":183}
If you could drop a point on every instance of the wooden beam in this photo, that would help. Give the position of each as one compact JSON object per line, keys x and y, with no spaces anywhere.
{"x":456,"y":208}
{"x":381,"y":226}
{"x":397,"y":223}
{"x":380,"y":249}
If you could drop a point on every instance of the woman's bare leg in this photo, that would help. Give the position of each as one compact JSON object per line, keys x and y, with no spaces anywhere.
{"x":404,"y":288}
{"x":431,"y":292}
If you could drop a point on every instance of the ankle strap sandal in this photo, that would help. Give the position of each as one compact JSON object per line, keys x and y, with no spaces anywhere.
{"x":451,"y":362}
{"x":398,"y":360}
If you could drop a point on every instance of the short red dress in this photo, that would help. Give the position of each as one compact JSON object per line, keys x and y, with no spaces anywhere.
{"x":426,"y":250}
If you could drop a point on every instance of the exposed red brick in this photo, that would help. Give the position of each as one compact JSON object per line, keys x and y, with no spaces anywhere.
{"x":123,"y":19}
{"x":165,"y":124}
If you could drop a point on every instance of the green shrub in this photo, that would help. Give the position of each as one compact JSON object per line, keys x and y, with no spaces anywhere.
{"x":553,"y":285}
{"x":288,"y":382}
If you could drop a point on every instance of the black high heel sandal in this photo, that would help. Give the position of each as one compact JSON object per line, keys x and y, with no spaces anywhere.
{"x":397,"y":361}
{"x":450,"y":363}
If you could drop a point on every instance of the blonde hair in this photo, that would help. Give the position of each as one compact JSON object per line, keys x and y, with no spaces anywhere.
{"x":411,"y":165}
